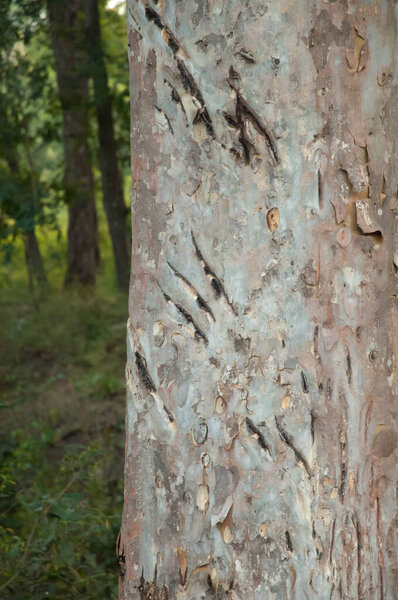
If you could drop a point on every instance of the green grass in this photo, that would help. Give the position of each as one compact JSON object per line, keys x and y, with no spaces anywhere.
{"x":62,"y":398}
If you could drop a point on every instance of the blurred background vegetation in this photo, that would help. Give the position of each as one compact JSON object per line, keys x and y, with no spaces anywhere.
{"x":64,"y":268}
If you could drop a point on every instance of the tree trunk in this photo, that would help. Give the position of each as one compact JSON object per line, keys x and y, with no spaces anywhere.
{"x":112,"y":189}
{"x":68,"y":40}
{"x":33,"y":259}
{"x":261,"y":451}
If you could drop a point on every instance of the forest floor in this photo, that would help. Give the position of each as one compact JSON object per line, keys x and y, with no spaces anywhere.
{"x":62,"y":405}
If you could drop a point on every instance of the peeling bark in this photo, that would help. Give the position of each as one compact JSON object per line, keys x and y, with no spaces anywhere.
{"x":261,"y":449}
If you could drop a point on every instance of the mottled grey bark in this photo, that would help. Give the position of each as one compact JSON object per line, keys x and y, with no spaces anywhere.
{"x":261,"y":451}
{"x":70,"y":54}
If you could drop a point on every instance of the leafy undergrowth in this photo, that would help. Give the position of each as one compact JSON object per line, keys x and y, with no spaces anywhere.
{"x":61,"y":442}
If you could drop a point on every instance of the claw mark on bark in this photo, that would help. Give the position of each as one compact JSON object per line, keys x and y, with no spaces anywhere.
{"x":343,"y":474}
{"x":171,"y":40}
{"x":247,"y":112}
{"x":380,"y":548}
{"x":343,"y":449}
{"x":168,"y":413}
{"x":216,"y":283}
{"x":260,"y":437}
{"x":248,"y":56}
{"x":243,"y":113}
{"x":316,"y":345}
{"x":143,"y":372}
{"x":320,"y":190}
{"x":304,"y":382}
{"x":349,"y":368}
{"x":359,"y":550}
{"x":165,"y":116}
{"x":287,"y":439}
{"x":199,"y":334}
{"x":332,"y":541}
{"x":186,"y":77}
{"x":149,"y":590}
{"x":147,"y":381}
{"x":138,"y":28}
{"x":191,"y":86}
{"x":175,"y":96}
{"x":312,"y":426}
{"x":288,"y":541}
{"x":201,"y":302}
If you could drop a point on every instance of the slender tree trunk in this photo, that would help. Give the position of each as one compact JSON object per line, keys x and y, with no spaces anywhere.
{"x":33,"y":259}
{"x":68,"y":40}
{"x":112,"y":189}
{"x":34,"y":262}
{"x":261,"y":451}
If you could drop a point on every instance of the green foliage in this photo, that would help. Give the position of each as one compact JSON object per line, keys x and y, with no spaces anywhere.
{"x":61,"y":444}
{"x":67,"y":514}
{"x":30,"y":122}
{"x":31,"y":152}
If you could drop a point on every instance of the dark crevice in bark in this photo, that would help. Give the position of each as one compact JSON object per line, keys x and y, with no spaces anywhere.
{"x":349,"y":367}
{"x":230,"y":120}
{"x":312,"y":426}
{"x":143,"y":372}
{"x":199,"y":334}
{"x":216,"y":283}
{"x":343,"y":448}
{"x":166,"y":117}
{"x":149,"y":590}
{"x":168,"y":413}
{"x":316,"y":345}
{"x":332,"y":541}
{"x":156,"y":19}
{"x":243,"y":113}
{"x":201,"y":302}
{"x":137,"y":29}
{"x":320,"y":190}
{"x":175,"y":96}
{"x":260,"y":437}
{"x":147,"y":381}
{"x":380,"y":548}
{"x":246,"y":111}
{"x":248,"y":56}
{"x":343,"y":473}
{"x":288,"y":541}
{"x":287,"y":439}
{"x":359,"y":554}
{"x":191,"y":86}
{"x":304,"y":382}
{"x":185,"y":75}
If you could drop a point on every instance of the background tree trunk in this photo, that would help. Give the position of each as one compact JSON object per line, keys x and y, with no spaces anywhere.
{"x":33,"y":259}
{"x":261,"y":453}
{"x":112,"y":189}
{"x":68,"y":40}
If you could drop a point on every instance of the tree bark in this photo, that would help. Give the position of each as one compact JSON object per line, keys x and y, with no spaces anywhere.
{"x":33,"y":259}
{"x":68,"y":41}
{"x":112,"y":189}
{"x":261,"y":449}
